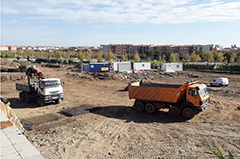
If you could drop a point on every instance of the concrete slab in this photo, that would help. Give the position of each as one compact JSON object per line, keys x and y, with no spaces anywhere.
{"x":14,"y":145}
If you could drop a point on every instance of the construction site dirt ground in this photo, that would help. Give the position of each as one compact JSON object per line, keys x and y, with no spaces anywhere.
{"x":96,"y":120}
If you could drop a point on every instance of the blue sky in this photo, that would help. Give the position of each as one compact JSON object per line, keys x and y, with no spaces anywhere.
{"x":95,"y":22}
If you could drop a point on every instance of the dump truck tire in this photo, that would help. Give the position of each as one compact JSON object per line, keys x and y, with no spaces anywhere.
{"x":57,"y":101}
{"x":21,"y":96}
{"x":173,"y":111}
{"x":39,"y":101}
{"x":139,"y":106}
{"x":27,"y":98}
{"x":150,"y":108}
{"x":188,"y":113}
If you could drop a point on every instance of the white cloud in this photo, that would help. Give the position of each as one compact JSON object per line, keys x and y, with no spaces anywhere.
{"x":124,"y":11}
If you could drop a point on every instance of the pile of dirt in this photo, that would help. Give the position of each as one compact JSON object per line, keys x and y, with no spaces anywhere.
{"x":79,"y":75}
{"x":10,"y":114}
{"x":9,"y":63}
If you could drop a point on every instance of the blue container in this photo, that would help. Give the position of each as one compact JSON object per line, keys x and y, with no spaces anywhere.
{"x":99,"y":67}
{"x":85,"y":67}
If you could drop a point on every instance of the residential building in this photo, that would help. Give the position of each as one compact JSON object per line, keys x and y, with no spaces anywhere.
{"x":3,"y":48}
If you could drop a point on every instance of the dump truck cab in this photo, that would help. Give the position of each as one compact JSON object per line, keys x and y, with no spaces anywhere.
{"x":49,"y":89}
{"x":197,"y":97}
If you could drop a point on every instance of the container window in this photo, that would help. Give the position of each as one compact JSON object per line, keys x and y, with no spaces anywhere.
{"x":143,"y":65}
{"x":177,"y":66}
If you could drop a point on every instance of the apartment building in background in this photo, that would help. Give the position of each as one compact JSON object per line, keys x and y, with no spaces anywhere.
{"x":182,"y":50}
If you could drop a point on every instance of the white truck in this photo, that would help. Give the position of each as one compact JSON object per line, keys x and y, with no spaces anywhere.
{"x":42,"y":91}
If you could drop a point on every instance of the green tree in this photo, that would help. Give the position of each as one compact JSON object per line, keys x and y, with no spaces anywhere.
{"x":238,"y":57}
{"x":215,"y":55}
{"x":99,"y":55}
{"x":172,"y":57}
{"x":136,"y":57}
{"x":194,"y":57}
{"x":229,"y":56}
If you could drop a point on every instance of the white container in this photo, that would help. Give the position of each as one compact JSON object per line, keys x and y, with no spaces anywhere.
{"x":122,"y":66}
{"x":142,"y":65}
{"x":171,"y":67}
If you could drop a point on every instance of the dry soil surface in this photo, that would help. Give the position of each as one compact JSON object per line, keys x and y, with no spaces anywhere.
{"x":96,"y":120}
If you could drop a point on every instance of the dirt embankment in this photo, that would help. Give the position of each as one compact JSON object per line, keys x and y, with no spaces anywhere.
{"x":96,"y":120}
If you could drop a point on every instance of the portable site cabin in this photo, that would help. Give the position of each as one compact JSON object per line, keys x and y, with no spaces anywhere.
{"x":122,"y":66}
{"x":142,"y":65}
{"x":85,"y":67}
{"x":171,"y":67}
{"x":99,"y":67}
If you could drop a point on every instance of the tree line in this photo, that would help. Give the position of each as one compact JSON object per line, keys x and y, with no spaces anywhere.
{"x":149,"y":55}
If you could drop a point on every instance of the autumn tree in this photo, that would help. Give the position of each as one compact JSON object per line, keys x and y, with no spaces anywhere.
{"x":99,"y":55}
{"x":136,"y":57}
{"x":172,"y":57}
{"x":80,"y":55}
{"x":220,"y":58}
{"x":176,"y":56}
{"x":194,"y":57}
{"x":210,"y":58}
{"x":109,"y":56}
{"x":57,"y":55}
{"x":25,"y":54}
{"x":88,"y":54}
{"x":124,"y":57}
{"x":186,"y":57}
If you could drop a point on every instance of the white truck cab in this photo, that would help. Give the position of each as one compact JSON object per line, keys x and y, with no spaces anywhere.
{"x":220,"y":82}
{"x":50,"y":89}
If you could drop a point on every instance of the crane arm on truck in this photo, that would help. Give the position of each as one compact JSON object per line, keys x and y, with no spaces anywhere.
{"x":33,"y":71}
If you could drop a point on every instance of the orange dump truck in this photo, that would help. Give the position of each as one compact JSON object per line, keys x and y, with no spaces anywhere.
{"x":187,"y":99}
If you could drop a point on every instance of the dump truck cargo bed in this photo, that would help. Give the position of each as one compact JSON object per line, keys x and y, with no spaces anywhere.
{"x":25,"y":87}
{"x":156,"y":91}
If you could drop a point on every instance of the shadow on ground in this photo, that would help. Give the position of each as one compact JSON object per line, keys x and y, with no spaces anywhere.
{"x":130,"y":114}
{"x":124,"y":113}
{"x":16,"y":103}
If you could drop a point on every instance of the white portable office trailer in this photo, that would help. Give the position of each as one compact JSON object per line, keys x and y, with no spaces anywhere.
{"x":142,"y":65}
{"x":171,"y":67}
{"x":122,"y":66}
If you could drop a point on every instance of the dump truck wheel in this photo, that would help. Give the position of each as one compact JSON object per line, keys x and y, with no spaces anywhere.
{"x":150,"y":108}
{"x":21,"y":96}
{"x":57,"y":101}
{"x":27,"y":98}
{"x":188,"y":113}
{"x":39,"y":101}
{"x":139,"y":106}
{"x":173,"y":111}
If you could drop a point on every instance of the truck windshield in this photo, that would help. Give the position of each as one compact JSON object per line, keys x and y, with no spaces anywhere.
{"x":51,"y":84}
{"x":203,"y":92}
